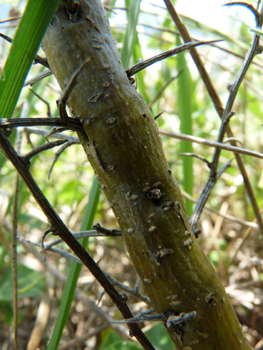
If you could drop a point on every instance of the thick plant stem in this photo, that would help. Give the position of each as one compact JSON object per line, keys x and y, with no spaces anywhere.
{"x":121,"y":140}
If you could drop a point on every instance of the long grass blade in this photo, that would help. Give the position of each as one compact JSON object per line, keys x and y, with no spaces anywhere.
{"x":75,"y":268}
{"x":184,"y":107}
{"x":130,"y":35}
{"x":28,"y":37}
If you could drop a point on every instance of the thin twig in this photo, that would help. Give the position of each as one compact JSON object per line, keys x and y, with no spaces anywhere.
{"x":11,"y":19}
{"x":164,"y":87}
{"x":78,"y":293}
{"x":190,"y":138}
{"x":72,"y":123}
{"x":44,"y":132}
{"x":167,"y":318}
{"x":34,"y":152}
{"x":253,"y":225}
{"x":43,"y":100}
{"x":240,"y":245}
{"x":62,"y":231}
{"x":224,"y":125}
{"x":144,"y":64}
{"x":74,"y":258}
{"x":202,"y":158}
{"x":209,"y":143}
{"x":196,"y":39}
{"x":105,"y":231}
{"x":250,"y":7}
{"x":217,"y":102}
{"x":38,"y":77}
{"x":67,"y":91}
{"x":38,"y":59}
{"x":83,"y":234}
{"x":58,"y":153}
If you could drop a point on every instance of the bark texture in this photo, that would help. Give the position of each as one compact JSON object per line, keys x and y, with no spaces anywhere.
{"x":122,"y":143}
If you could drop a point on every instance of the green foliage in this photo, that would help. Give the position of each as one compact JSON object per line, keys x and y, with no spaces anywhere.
{"x":68,"y":183}
{"x":30,"y":284}
{"x":156,"y":334}
{"x":75,"y":268}
{"x":28,"y":37}
{"x":131,"y":33}
{"x":185,"y":113}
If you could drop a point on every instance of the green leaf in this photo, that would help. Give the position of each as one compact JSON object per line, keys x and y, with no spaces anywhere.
{"x":137,"y":54}
{"x":159,"y":337}
{"x":28,"y":37}
{"x":123,"y":345}
{"x":114,"y":342}
{"x":184,"y":107}
{"x":30,"y":284}
{"x":131,"y":32}
{"x":110,"y":339}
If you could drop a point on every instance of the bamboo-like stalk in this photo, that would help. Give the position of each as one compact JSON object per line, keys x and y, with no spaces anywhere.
{"x":121,"y":140}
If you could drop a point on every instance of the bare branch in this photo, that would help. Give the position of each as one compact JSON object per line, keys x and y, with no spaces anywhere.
{"x":250,"y":7}
{"x":38,"y":77}
{"x":216,"y":100}
{"x":142,"y":65}
{"x":34,"y":152}
{"x":61,"y":278}
{"x":58,"y":153}
{"x":67,"y":91}
{"x":209,"y":143}
{"x":72,"y":124}
{"x":63,"y":232}
{"x":69,"y":256}
{"x":198,"y":157}
{"x":38,"y":59}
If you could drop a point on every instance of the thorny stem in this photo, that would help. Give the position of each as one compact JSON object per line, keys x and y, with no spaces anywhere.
{"x":225,"y":121}
{"x":219,"y":106}
{"x":146,"y":63}
{"x":121,"y":140}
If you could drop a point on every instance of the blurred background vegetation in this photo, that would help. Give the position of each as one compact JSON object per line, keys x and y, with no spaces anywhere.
{"x":230,"y":235}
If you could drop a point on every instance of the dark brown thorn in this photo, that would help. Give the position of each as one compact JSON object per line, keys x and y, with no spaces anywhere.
{"x":34,"y":152}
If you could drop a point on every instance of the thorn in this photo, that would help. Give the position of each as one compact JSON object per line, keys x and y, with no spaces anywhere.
{"x":67,"y":91}
{"x":158,"y":115}
{"x":250,"y":7}
{"x":197,"y":233}
{"x":109,"y":9}
{"x":28,"y":156}
{"x":176,"y":319}
{"x":209,"y":164}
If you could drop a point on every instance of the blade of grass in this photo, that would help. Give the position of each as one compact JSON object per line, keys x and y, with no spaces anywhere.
{"x":212,"y":31}
{"x":31,"y":29}
{"x":130,"y":35}
{"x":184,"y":108}
{"x":75,"y":268}
{"x":137,"y":54}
